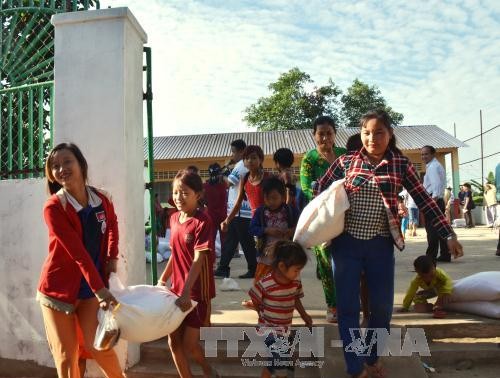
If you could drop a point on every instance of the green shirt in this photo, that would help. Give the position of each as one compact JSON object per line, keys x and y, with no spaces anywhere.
{"x":313,"y":167}
{"x":441,"y":282}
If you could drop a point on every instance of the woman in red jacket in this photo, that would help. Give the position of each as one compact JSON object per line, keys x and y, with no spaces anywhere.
{"x":83,"y":250}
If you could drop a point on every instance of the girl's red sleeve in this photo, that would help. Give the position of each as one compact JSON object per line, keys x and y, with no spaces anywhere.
{"x":202,"y":239}
{"x":112,"y":232}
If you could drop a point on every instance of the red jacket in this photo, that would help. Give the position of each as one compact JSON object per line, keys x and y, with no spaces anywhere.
{"x":68,"y":260}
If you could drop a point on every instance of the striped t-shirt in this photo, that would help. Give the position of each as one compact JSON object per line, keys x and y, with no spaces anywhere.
{"x":276,"y":301}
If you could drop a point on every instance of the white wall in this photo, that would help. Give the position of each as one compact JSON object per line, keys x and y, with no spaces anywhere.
{"x":23,"y":241}
{"x":479,"y":215}
{"x":98,"y":106}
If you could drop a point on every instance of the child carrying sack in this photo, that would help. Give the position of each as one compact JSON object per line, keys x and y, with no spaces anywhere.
{"x":323,"y":218}
{"x":145,"y":312}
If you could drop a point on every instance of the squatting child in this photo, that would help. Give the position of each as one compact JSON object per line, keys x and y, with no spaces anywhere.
{"x":434,"y":283}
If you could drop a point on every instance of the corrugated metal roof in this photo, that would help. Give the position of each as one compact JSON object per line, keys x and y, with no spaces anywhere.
{"x":299,"y":141}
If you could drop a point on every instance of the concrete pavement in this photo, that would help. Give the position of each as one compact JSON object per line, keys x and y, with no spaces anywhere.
{"x":479,"y":255}
{"x":457,"y":341}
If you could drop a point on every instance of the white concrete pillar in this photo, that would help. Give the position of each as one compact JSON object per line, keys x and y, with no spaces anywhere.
{"x":98,"y":106}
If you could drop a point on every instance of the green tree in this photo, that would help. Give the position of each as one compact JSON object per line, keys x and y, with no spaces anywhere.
{"x":361,"y":98}
{"x":290,"y":106}
{"x":27,"y":57}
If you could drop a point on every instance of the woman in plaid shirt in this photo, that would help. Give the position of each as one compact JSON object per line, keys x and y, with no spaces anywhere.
{"x":374,"y":177}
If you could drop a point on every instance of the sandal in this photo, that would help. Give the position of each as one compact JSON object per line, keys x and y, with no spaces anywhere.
{"x":439,"y":313}
{"x":248,"y":304}
{"x":376,"y":370}
{"x":331,"y":315}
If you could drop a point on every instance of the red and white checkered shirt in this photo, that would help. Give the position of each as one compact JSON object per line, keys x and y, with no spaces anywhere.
{"x":394,"y":172}
{"x":366,"y":216}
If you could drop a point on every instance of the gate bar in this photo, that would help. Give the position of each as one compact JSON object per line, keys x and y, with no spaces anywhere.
{"x":149,"y":106}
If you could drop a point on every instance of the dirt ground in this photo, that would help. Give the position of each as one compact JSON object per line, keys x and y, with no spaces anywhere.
{"x":479,"y":255}
{"x":484,"y":371}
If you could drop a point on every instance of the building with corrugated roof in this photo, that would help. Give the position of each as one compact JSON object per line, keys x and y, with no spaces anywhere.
{"x":172,"y":153}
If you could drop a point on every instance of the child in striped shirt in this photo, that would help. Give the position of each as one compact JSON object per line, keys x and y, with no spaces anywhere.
{"x":276,"y":296}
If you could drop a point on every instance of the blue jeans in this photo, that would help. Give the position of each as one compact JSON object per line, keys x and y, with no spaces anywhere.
{"x":376,"y":258}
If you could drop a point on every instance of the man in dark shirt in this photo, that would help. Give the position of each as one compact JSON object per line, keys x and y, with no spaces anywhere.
{"x":468,"y":206}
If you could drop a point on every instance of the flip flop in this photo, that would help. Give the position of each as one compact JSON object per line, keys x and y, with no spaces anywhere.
{"x":248,"y":304}
{"x":439,"y":314}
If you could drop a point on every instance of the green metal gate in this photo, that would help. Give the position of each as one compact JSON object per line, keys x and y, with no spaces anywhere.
{"x":148,"y":97}
{"x":27,"y":91}
{"x":26,"y":82}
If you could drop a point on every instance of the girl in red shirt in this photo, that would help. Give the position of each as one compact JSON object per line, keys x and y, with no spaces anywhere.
{"x":190,"y":270}
{"x":83,"y":250}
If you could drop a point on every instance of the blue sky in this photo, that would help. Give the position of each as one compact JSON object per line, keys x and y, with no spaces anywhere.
{"x":437,"y":62}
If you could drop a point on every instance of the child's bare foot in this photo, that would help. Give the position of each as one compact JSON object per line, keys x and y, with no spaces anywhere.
{"x":248,"y":304}
{"x":423,"y":307}
{"x":364,"y":322}
{"x":331,"y":315}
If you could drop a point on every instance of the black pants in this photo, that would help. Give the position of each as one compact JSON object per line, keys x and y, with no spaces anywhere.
{"x":468,"y":219}
{"x":434,"y":241}
{"x":238,"y":233}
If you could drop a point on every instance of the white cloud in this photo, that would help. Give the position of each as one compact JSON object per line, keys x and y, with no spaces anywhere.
{"x":435,"y":62}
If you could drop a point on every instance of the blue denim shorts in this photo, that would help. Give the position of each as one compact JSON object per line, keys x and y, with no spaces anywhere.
{"x":413,"y":215}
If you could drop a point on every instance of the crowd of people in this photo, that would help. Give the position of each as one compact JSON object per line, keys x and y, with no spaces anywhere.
{"x":257,"y":210}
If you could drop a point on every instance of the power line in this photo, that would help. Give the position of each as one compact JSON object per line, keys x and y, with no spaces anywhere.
{"x":484,"y":157}
{"x":484,"y":132}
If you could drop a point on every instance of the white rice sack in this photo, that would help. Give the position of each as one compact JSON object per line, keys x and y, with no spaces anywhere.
{"x":458,"y":223}
{"x":484,"y":286}
{"x":323,"y":218}
{"x":217,"y":245}
{"x":149,"y":259}
{"x":163,"y":245}
{"x":482,"y":308}
{"x":229,"y":284}
{"x":146,"y":312}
